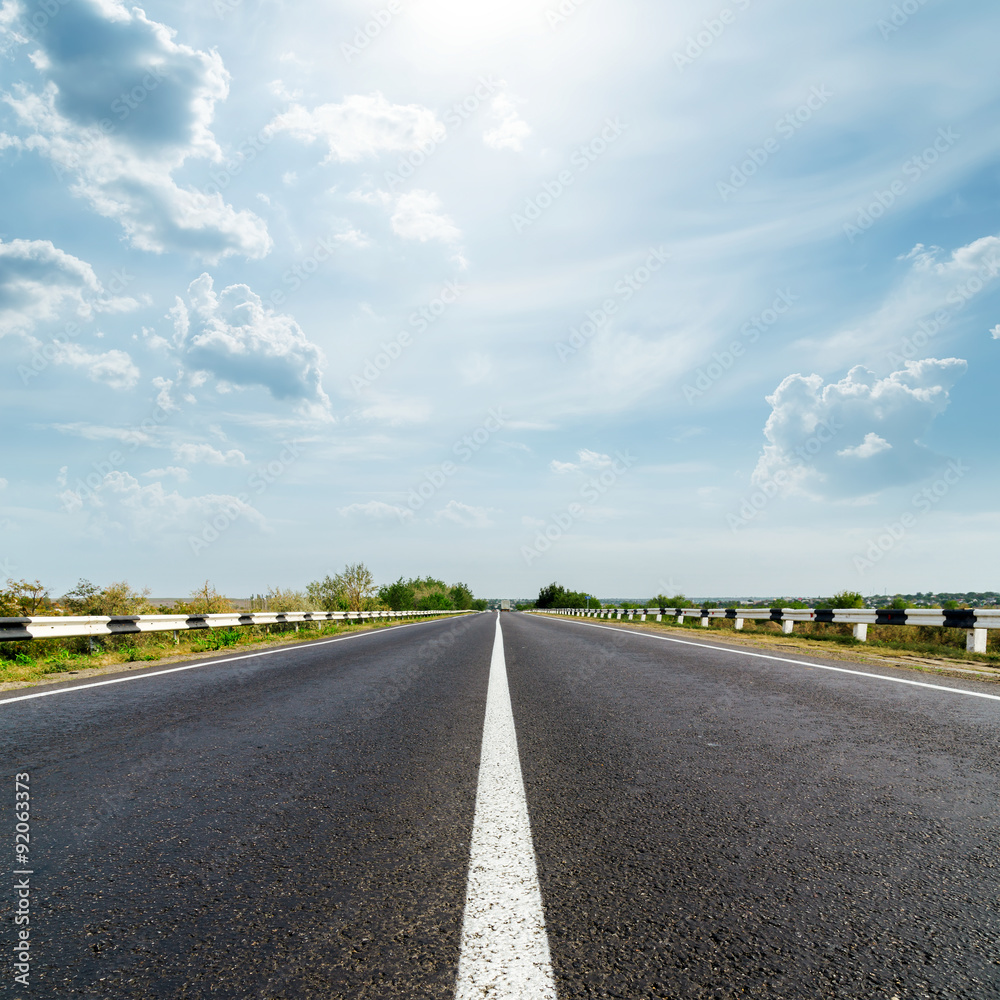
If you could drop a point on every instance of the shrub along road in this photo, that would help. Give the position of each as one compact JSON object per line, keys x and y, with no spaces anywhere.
{"x":298,"y":822}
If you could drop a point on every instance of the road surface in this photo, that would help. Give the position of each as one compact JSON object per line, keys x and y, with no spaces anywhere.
{"x":645,"y":818}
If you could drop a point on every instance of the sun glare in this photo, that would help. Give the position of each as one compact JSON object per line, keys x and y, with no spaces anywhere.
{"x":457,"y":23}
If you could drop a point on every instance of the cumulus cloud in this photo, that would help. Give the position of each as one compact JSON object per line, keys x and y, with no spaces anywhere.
{"x":589,"y":461}
{"x":511,"y":131}
{"x":244,"y":342}
{"x":120,"y":504}
{"x":376,"y":510}
{"x":995,"y":332}
{"x":417,"y":216}
{"x":858,"y":436}
{"x":872,"y":445}
{"x":38,"y":281}
{"x":114,"y":368}
{"x":181,"y":475}
{"x":122,"y":106}
{"x":363,"y":125}
{"x":466,"y":516}
{"x":205,"y":454}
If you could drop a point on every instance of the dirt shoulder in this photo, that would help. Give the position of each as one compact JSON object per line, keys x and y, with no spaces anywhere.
{"x":800,"y":646}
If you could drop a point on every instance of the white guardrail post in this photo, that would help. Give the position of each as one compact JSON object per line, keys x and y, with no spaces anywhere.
{"x":71,"y":626}
{"x":976,"y":622}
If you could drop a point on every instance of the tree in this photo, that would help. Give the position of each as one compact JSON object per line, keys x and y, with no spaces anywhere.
{"x":847,"y":599}
{"x":461,"y":597}
{"x":325,"y":594}
{"x":398,"y":596}
{"x":278,"y":599}
{"x":207,"y":601}
{"x":436,"y":600}
{"x":24,"y":598}
{"x":352,"y":590}
{"x":80,"y":600}
{"x":677,"y":601}
{"x":556,"y":596}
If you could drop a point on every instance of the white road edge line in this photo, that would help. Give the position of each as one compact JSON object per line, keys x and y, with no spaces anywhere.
{"x":505,"y":947}
{"x":782,"y":659}
{"x":208,"y":663}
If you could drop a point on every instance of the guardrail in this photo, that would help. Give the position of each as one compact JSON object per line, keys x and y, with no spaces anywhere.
{"x":68,"y":626}
{"x":975,"y":621}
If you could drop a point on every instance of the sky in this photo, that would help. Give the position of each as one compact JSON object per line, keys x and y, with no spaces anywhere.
{"x":639,"y":297}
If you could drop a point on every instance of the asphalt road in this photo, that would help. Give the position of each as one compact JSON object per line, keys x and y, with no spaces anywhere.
{"x":706,"y":824}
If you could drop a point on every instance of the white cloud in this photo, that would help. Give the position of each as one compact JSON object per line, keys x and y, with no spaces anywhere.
{"x":205,"y":454}
{"x":242,"y":341}
{"x":3,"y":483}
{"x":363,"y":125}
{"x":511,"y":131}
{"x":115,"y":368}
{"x":589,"y":461}
{"x":888,"y":416}
{"x":417,"y":216}
{"x":98,"y":432}
{"x":935,"y":281}
{"x":376,"y":510}
{"x":120,"y":504}
{"x":996,"y":332}
{"x":181,"y":475}
{"x":120,"y":113}
{"x":37,"y":281}
{"x":466,"y":516}
{"x":872,"y":445}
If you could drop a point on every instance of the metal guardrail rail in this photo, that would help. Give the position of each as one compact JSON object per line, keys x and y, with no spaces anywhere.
{"x":976,"y":621}
{"x":68,"y":626}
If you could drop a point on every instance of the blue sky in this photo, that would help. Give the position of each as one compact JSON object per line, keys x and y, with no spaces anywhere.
{"x":640,"y":297}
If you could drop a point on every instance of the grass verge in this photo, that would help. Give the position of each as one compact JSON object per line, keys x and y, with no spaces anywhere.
{"x":932,"y":649}
{"x":28,"y":662}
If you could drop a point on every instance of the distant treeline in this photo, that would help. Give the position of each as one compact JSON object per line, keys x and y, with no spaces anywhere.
{"x":555,"y":595}
{"x":353,"y":589}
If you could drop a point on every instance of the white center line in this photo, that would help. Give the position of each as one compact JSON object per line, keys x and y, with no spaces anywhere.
{"x":505,"y":948}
